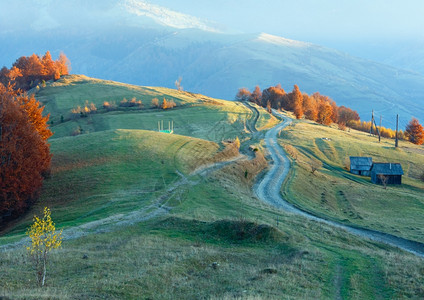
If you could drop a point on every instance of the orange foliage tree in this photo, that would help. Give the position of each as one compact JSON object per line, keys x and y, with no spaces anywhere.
{"x":256,"y":96}
{"x":310,"y":108}
{"x":27,"y":72}
{"x":243,"y":94}
{"x":24,"y":151}
{"x":276,"y":96}
{"x":297,"y":100}
{"x":415,"y":132}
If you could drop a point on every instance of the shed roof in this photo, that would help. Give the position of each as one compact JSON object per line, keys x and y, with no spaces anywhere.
{"x":361,"y":161}
{"x":387,"y":169}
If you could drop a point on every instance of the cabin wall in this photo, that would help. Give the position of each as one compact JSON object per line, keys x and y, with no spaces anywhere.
{"x":393,"y":179}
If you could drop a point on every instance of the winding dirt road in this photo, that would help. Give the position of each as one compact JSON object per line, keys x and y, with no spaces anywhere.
{"x":268,"y":190}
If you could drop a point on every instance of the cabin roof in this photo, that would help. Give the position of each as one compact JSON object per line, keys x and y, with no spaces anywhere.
{"x":360,"y":163}
{"x":387,"y":169}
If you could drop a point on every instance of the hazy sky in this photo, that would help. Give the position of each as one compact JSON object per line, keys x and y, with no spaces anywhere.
{"x":313,"y":20}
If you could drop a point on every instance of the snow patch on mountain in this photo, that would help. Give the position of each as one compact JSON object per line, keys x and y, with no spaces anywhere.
{"x":165,"y":16}
{"x":280,"y":41}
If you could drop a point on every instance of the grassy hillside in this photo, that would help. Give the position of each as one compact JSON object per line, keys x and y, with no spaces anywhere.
{"x":203,"y":117}
{"x":144,"y":216}
{"x":333,"y":192}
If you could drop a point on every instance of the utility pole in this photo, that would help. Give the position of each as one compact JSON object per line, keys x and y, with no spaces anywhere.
{"x":379,"y":132}
{"x":372,"y":123}
{"x":397,"y":128}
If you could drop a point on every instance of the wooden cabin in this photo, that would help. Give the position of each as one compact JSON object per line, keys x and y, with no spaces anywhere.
{"x":389,"y":172}
{"x":360,"y":165}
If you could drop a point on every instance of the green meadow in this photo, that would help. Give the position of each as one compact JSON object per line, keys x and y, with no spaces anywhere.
{"x":142,"y":222}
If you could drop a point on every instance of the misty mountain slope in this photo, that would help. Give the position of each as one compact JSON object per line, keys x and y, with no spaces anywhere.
{"x":219,"y":67}
{"x":136,"y":42}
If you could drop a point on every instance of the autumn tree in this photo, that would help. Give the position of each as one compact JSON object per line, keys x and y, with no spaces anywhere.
{"x":297,"y":100}
{"x":324,"y":108}
{"x":24,"y":152}
{"x":28,"y":72}
{"x":243,"y":94}
{"x":44,"y":238}
{"x":63,"y":66}
{"x":415,"y":132}
{"x":275,"y":95}
{"x":155,"y":102}
{"x":256,"y":96}
{"x":310,"y":107}
{"x":346,"y":115}
{"x":35,"y":113}
{"x":237,"y":143}
{"x":48,"y":65}
{"x":165,"y":104}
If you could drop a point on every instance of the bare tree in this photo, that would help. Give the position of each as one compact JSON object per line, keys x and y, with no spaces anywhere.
{"x":315,"y":165}
{"x":383,"y":179}
{"x":178,"y":84}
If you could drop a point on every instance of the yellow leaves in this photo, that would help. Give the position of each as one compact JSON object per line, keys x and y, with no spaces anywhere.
{"x":44,"y":238}
{"x":237,"y":143}
{"x":43,"y":234}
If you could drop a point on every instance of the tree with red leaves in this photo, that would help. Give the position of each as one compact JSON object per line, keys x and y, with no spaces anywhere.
{"x":24,"y":152}
{"x":243,"y":94}
{"x":415,"y":132}
{"x":256,"y":96}
{"x":28,"y":72}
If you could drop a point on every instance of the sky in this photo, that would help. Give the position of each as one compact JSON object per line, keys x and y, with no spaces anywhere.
{"x":313,"y":20}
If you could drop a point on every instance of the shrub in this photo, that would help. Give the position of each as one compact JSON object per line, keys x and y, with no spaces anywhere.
{"x":124,"y":103}
{"x":77,"y":131}
{"x":83,"y":111}
{"x":166,"y":104}
{"x":109,"y":105}
{"x":155,"y":103}
{"x":93,"y":108}
{"x":135,"y":103}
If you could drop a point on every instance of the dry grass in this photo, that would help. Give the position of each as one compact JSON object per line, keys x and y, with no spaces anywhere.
{"x":335,"y":193}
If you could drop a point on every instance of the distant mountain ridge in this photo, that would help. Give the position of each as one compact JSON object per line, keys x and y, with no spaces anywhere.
{"x":140,"y":43}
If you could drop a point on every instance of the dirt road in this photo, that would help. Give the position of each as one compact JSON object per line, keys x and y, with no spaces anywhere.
{"x":268,"y":190}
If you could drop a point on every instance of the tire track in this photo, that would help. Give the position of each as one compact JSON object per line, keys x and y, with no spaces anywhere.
{"x":255,"y":111}
{"x":155,"y":209}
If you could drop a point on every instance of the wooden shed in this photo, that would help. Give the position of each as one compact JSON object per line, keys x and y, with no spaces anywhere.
{"x":360,"y":165}
{"x":389,"y":172}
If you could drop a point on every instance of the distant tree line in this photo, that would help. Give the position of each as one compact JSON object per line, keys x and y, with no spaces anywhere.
{"x":28,"y":72}
{"x":322,"y":109}
{"x":316,"y":107}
